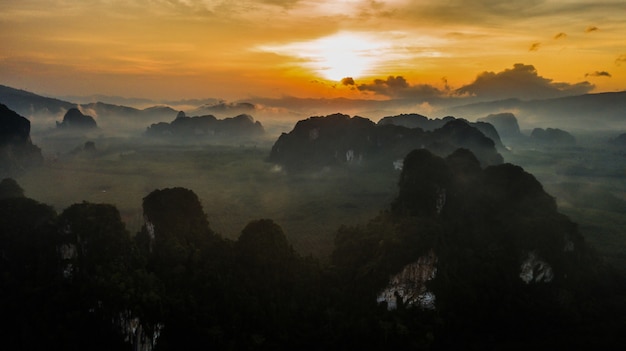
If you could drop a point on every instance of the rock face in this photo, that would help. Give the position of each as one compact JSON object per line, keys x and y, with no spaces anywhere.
{"x":427,"y":124}
{"x":475,"y":244}
{"x":208,"y":125}
{"x":222,"y":108}
{"x":414,"y":120}
{"x":499,"y":208}
{"x":76,"y":120}
{"x":619,"y":140}
{"x":505,"y":123}
{"x":28,"y":104}
{"x":340,"y":139}
{"x":552,"y":136}
{"x":409,"y":286}
{"x":17,"y":152}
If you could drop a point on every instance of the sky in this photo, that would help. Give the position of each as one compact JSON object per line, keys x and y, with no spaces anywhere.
{"x":358,"y":49}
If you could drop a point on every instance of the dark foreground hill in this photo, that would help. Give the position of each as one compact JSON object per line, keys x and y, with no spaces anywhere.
{"x":17,"y":152}
{"x":476,"y":258}
{"x":466,"y":257}
{"x":340,"y":139}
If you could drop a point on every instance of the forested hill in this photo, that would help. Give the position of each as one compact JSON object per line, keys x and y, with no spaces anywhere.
{"x":467,"y":256}
{"x":207,"y":127}
{"x":414,"y":120}
{"x":340,"y":139}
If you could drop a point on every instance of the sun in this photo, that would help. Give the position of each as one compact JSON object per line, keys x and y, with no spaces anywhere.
{"x":337,"y":56}
{"x":343,"y":55}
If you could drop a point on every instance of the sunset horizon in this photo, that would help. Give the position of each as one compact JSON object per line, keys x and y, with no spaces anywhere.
{"x":348,"y":49}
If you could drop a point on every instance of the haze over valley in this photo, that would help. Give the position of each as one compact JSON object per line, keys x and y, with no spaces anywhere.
{"x":312,"y":175}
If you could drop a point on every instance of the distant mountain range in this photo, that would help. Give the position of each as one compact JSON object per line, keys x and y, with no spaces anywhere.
{"x":28,"y":104}
{"x":338,"y":139}
{"x":207,"y":126}
{"x":602,"y":111}
{"x":40,"y":110}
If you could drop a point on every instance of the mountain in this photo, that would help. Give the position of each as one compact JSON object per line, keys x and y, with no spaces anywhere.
{"x":17,"y":152}
{"x":224,"y":108}
{"x":43,"y":111}
{"x":123,"y":117}
{"x":414,"y":120}
{"x":505,"y":123}
{"x":619,"y":140}
{"x":482,"y":255}
{"x":76,"y":120}
{"x":339,"y":139}
{"x":28,"y":104}
{"x":552,"y":136}
{"x":208,"y":127}
{"x":602,"y":111}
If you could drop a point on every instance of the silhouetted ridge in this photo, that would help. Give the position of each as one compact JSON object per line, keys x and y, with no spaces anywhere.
{"x":467,"y":246}
{"x":424,"y":179}
{"x":418,"y":121}
{"x":552,"y":136}
{"x":340,"y":139}
{"x":76,"y":120}
{"x":414,"y":120}
{"x":28,"y":104}
{"x":17,"y":152}
{"x":619,"y":140}
{"x":222,"y":108}
{"x":207,"y":126}
{"x":466,"y":258}
{"x":606,"y":109}
{"x":9,"y":189}
{"x":505,"y":123}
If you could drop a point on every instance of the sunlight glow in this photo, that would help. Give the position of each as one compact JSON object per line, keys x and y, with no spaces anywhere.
{"x":337,"y":56}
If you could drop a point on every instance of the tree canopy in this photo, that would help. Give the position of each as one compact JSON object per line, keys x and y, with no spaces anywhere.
{"x":486,"y":247}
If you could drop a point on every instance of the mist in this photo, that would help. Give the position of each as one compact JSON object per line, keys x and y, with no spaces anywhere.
{"x":340,"y":212}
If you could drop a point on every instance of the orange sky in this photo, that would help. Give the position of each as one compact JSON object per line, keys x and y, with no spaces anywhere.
{"x":272,"y":48}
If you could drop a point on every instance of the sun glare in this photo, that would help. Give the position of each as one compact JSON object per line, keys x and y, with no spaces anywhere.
{"x":337,"y":56}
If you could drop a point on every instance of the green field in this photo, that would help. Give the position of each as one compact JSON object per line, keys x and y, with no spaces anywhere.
{"x":236,"y":185}
{"x":589,"y":184}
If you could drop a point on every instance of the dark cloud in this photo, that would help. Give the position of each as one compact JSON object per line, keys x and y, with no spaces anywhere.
{"x":398,"y":87}
{"x":598,"y":74}
{"x":445,"y":83}
{"x":523,"y":82}
{"x":347,"y":81}
{"x":560,"y":36}
{"x":480,"y":10}
{"x":534,"y":47}
{"x":505,"y":12}
{"x":620,"y":59}
{"x":591,"y":29}
{"x":282,"y":3}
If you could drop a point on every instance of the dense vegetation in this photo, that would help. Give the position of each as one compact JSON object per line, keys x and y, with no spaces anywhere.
{"x":80,"y":280}
{"x":339,"y":139}
{"x":208,"y":127}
